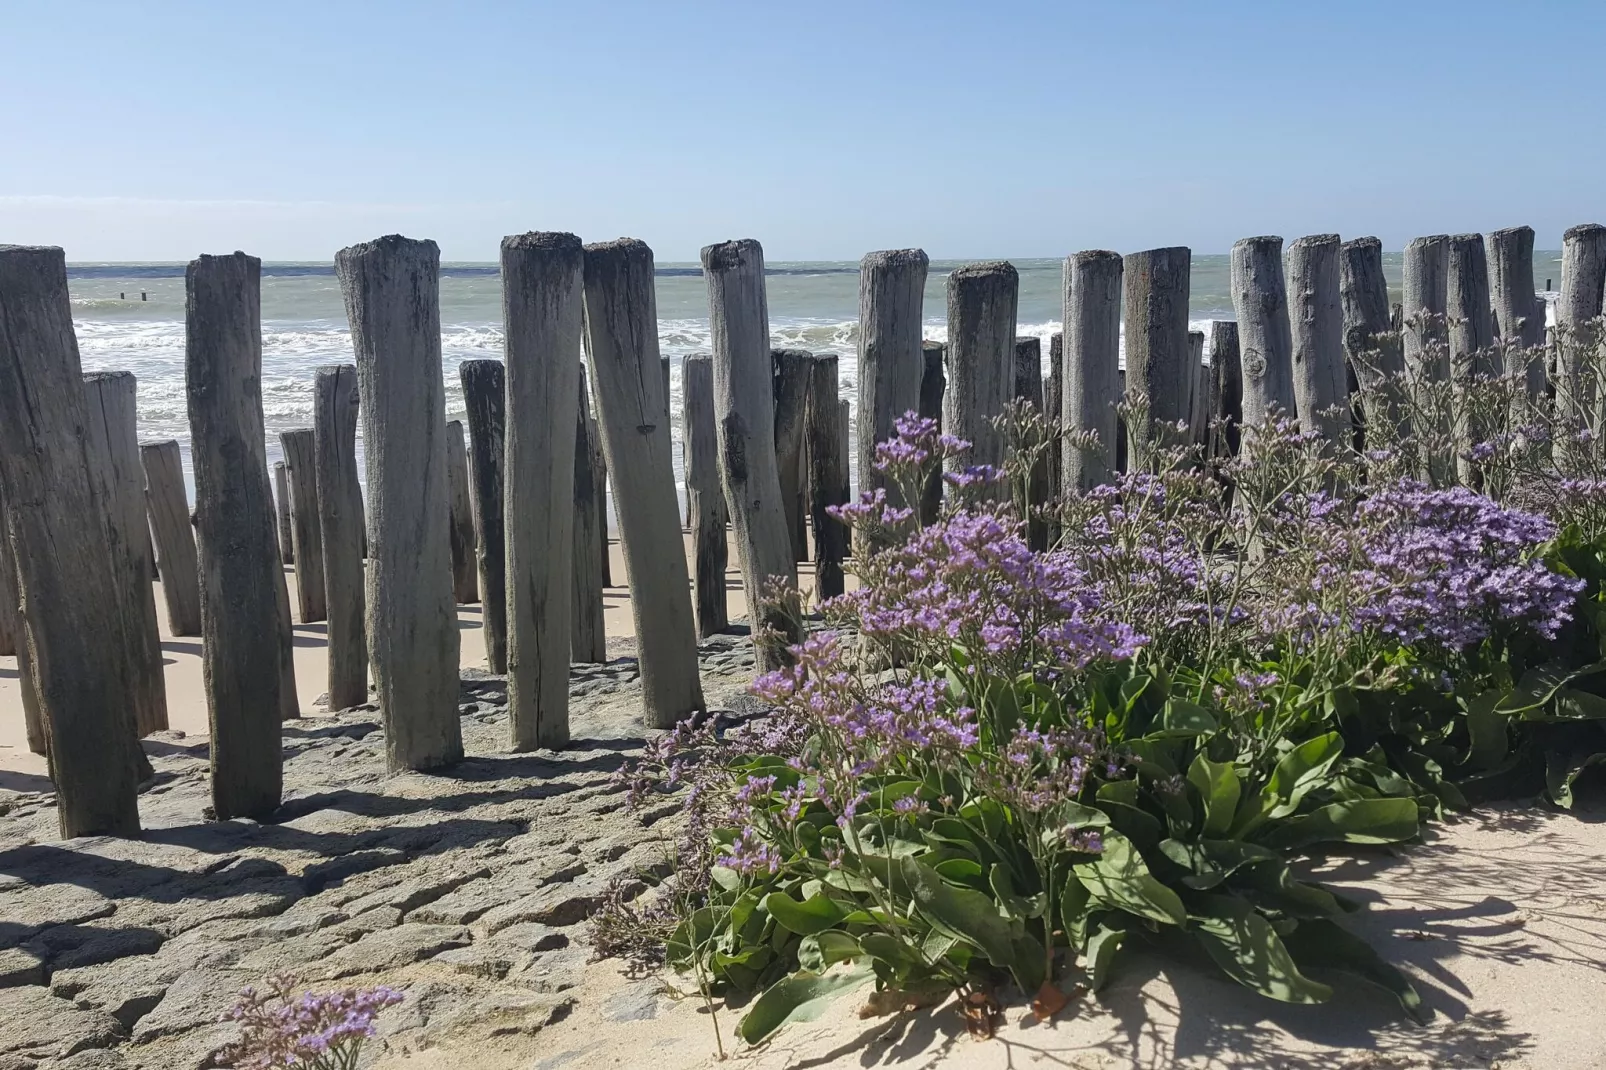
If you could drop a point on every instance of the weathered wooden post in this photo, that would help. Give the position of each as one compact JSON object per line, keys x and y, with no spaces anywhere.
{"x":465,"y":544}
{"x":112,"y":440}
{"x":1423,"y":303}
{"x":792,"y":368}
{"x":1053,"y":408}
{"x":1370,"y":342}
{"x":1027,"y":385}
{"x":892,"y":286}
{"x":1092,"y":355}
{"x":485,"y":401}
{"x":933,"y":388}
{"x":1316,"y":324}
{"x":392,"y":294}
{"x":1472,"y":354}
{"x":340,"y":524}
{"x":982,"y":302}
{"x":286,"y":526}
{"x":169,"y":512}
{"x":242,"y":644}
{"x":828,"y":476}
{"x":1156,"y":306}
{"x":12,"y":625}
{"x":590,"y":631}
{"x":744,"y":419}
{"x":1266,"y":342}
{"x":1226,"y":388}
{"x":1518,"y":308}
{"x":621,"y":328}
{"x":1583,"y":267}
{"x":1199,"y":393}
{"x":704,"y":492}
{"x":542,"y":298}
{"x":301,"y":465}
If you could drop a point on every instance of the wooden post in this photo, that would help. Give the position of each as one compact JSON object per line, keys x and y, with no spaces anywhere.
{"x":1028,"y":386}
{"x":1316,"y":322}
{"x":465,"y":544}
{"x":286,"y":527}
{"x":242,"y":643}
{"x":113,"y":450}
{"x":590,"y":631}
{"x":792,"y":367}
{"x":1583,"y":267}
{"x":301,"y":465}
{"x":663,"y":362}
{"x":621,"y":327}
{"x":1518,"y":308}
{"x":982,"y":301}
{"x":744,"y":419}
{"x":933,"y":388}
{"x":1156,"y":300}
{"x":1266,"y":353}
{"x":828,"y":476}
{"x":892,"y":286}
{"x":1199,"y":393}
{"x":844,"y":430}
{"x":1092,"y":355}
{"x":1370,"y":343}
{"x":1226,"y":388}
{"x":15,"y":635}
{"x":485,"y":400}
{"x":392,"y":294}
{"x":340,"y":523}
{"x":1053,"y":408}
{"x":542,"y":295}
{"x":710,"y":552}
{"x":1424,"y":297}
{"x":1472,"y":354}
{"x":169,"y":511}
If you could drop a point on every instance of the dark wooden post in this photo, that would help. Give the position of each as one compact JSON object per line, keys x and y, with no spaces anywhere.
{"x":485,"y":400}
{"x":15,"y":642}
{"x":1092,"y":283}
{"x":1026,"y":384}
{"x":465,"y":544}
{"x":792,"y":367}
{"x":392,"y":294}
{"x":1156,"y":323}
{"x":933,"y":388}
{"x":1370,"y":342}
{"x":169,"y":511}
{"x":982,"y":300}
{"x":242,"y":644}
{"x":828,"y":475}
{"x":892,"y":287}
{"x":704,"y":492}
{"x":301,"y":466}
{"x":1199,"y":393}
{"x":340,"y":523}
{"x":1226,"y":388}
{"x":590,"y":632}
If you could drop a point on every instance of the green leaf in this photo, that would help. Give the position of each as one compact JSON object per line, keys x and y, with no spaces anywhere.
{"x":1540,"y":683}
{"x":819,"y":950}
{"x":1074,"y":902}
{"x":891,"y":950}
{"x":965,"y":913}
{"x":1277,"y":887}
{"x":1562,"y":767}
{"x":960,"y":870}
{"x":801,"y":997}
{"x":1212,"y":861}
{"x":1328,"y":944}
{"x":1217,"y":783}
{"x":1120,"y":878}
{"x":1487,"y":726}
{"x":1300,"y":770}
{"x":1574,"y":705}
{"x":1180,"y":719}
{"x":815,"y":915}
{"x":1101,"y":949}
{"x":1012,"y":904}
{"x":1248,"y":950}
{"x":1357,"y":821}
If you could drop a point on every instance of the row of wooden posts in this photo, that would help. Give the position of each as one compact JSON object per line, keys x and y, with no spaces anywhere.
{"x":518,"y":518}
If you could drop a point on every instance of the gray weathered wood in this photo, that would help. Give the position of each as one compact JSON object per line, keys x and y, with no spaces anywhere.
{"x":1199,"y":393}
{"x":1265,"y":338}
{"x":1156,"y":323}
{"x":892,"y":286}
{"x":169,"y":512}
{"x":1054,"y":408}
{"x":340,"y":525}
{"x":792,"y":368}
{"x":1518,"y":307}
{"x":1583,"y":270}
{"x":283,"y":523}
{"x":1226,"y":389}
{"x":465,"y":544}
{"x":621,"y":330}
{"x":590,"y":642}
{"x":844,"y":428}
{"x":1316,"y":325}
{"x":301,"y":468}
{"x":828,"y":476}
{"x":1091,"y":359}
{"x":705,"y":493}
{"x":933,"y":388}
{"x":110,"y":399}
{"x":1472,"y":355}
{"x":982,"y":303}
{"x":1423,"y":303}
{"x":14,"y":634}
{"x":1371,"y":344}
{"x":485,"y":401}
{"x":392,"y":294}
{"x":542,"y":298}
{"x":1028,"y":386}
{"x":243,"y":647}
{"x":744,"y":420}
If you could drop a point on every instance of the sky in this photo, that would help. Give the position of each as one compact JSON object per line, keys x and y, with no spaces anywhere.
{"x":970,"y":128}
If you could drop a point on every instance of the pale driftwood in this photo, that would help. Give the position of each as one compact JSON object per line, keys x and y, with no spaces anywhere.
{"x":169,"y":512}
{"x":301,"y":467}
{"x":792,"y":367}
{"x":1027,"y":385}
{"x":1265,"y":339}
{"x":1226,"y":389}
{"x":1583,"y":269}
{"x":933,"y":387}
{"x":1472,"y":355}
{"x":283,"y":523}
{"x":744,"y":420}
{"x":542,"y":299}
{"x":828,"y":476}
{"x":485,"y":402}
{"x":590,"y":630}
{"x":892,"y":286}
{"x":340,"y":524}
{"x":1155,"y":284}
{"x":1092,"y":354}
{"x":1423,"y":303}
{"x":243,"y":645}
{"x":705,"y":494}
{"x":110,"y":401}
{"x":621,"y":320}
{"x":1371,"y":344}
{"x":392,"y":295}
{"x":982,"y":302}
{"x":1316,"y":324}
{"x":1517,"y":307}
{"x":465,"y":544}
{"x":15,"y":634}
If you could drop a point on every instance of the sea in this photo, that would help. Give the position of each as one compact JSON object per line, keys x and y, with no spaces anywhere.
{"x":130,"y":317}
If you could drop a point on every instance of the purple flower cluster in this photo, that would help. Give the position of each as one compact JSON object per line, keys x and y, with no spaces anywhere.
{"x":318,"y":1031}
{"x":1038,"y":771}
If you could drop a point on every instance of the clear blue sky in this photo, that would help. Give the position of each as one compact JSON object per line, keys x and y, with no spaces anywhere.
{"x":157,"y":129}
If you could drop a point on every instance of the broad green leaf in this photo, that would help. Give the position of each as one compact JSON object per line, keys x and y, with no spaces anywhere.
{"x":1217,"y":783}
{"x":891,"y":950}
{"x":1012,"y":904}
{"x":1276,"y":884}
{"x":1248,"y":950}
{"x":1073,"y":908}
{"x":1326,"y":943}
{"x":815,"y":915}
{"x":960,"y":870}
{"x":1487,"y":726}
{"x":1120,"y":878}
{"x":1212,"y":861}
{"x":801,"y":997}
{"x":1300,"y":770}
{"x":1180,"y":719}
{"x":1360,"y":821}
{"x":1101,"y":949}
{"x":1562,"y":768}
{"x":1540,"y":683}
{"x":965,"y":913}
{"x":1574,"y":705}
{"x":818,"y":950}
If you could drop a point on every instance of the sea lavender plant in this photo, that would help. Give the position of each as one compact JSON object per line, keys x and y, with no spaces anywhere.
{"x":313,"y":1031}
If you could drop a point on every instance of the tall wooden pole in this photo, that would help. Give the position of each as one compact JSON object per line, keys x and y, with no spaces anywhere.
{"x":465,"y":543}
{"x":1027,"y":385}
{"x":1092,"y":354}
{"x":1472,"y":355}
{"x":982,"y":302}
{"x":16,"y":643}
{"x":1372,"y":347}
{"x":933,"y":388}
{"x":590,"y":630}
{"x":705,"y":494}
{"x":1156,"y":313}
{"x":1226,"y":388}
{"x":1423,"y":303}
{"x":892,"y":286}
{"x":1266,"y":341}
{"x":792,"y":367}
{"x":485,"y":400}
{"x":392,"y":293}
{"x":1583,"y":269}
{"x":1316,"y":322}
{"x":286,"y":526}
{"x":828,"y":477}
{"x":1518,"y":308}
{"x":340,"y":524}
{"x":301,"y":466}
{"x":169,"y":511}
